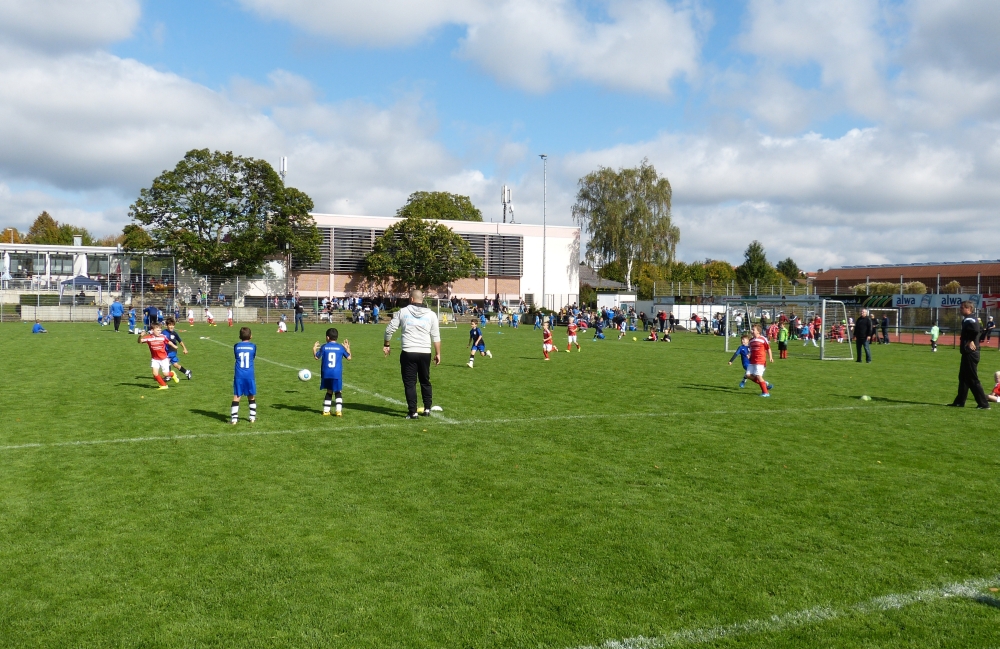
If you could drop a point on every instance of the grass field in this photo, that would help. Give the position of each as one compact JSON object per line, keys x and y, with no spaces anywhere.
{"x":627,"y":493}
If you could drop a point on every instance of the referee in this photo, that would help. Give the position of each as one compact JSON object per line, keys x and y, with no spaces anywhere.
{"x":968,"y":371}
{"x":418,"y":328}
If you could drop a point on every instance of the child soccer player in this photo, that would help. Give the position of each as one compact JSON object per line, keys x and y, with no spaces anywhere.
{"x":175,"y":339}
{"x":547,"y":345}
{"x":209,"y":318}
{"x":652,"y":336}
{"x":743,"y":351}
{"x":935,"y":334}
{"x":598,"y":330}
{"x":282,"y":325}
{"x":38,"y":328}
{"x":995,"y":395}
{"x":244,"y":383}
{"x":331,"y":357}
{"x":229,"y":317}
{"x":571,"y":330}
{"x":131,"y":321}
{"x":158,"y":345}
{"x":476,"y":342}
{"x":760,"y":353}
{"x":191,"y":317}
{"x":782,"y":341}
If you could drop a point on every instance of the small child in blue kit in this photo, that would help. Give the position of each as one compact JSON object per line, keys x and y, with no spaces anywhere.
{"x":743,"y":351}
{"x":331,"y":357}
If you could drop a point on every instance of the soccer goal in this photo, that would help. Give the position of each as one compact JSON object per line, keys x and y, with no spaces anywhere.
{"x":835,"y":339}
{"x":737,"y":323}
{"x":446,"y":315}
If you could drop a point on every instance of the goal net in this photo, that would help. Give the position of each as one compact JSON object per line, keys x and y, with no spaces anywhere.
{"x":835,"y":341}
{"x":445,"y":313}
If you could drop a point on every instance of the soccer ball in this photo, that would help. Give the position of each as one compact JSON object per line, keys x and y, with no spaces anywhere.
{"x":865,"y":397}
{"x":634,"y":338}
{"x":305,"y":375}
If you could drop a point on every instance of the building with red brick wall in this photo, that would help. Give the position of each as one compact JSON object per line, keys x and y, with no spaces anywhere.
{"x":974,"y":276}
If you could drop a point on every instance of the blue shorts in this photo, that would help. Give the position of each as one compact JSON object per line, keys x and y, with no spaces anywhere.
{"x":173,"y":358}
{"x":332,"y":385}
{"x":244,"y":387}
{"x":481,"y":347}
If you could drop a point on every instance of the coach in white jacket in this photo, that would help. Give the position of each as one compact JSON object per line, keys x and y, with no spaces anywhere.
{"x":418,"y":327}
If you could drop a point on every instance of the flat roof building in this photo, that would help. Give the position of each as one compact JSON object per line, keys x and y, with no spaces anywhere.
{"x":974,"y":276}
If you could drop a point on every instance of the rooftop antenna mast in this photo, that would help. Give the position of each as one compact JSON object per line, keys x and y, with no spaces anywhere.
{"x":508,"y":206}
{"x":283,"y":168}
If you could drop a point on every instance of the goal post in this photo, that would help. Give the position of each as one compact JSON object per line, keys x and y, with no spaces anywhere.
{"x":445,"y":313}
{"x":834,"y":347}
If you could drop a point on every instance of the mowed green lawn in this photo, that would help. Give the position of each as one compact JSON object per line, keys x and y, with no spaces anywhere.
{"x":629,"y":490}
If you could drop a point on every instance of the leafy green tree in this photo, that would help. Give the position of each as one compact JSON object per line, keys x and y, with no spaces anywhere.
{"x":135,"y":239}
{"x":44,"y":230}
{"x":225,"y":215}
{"x":755,"y":267}
{"x":627,"y":215}
{"x":789,"y":269}
{"x":416,"y":253}
{"x":439,"y":206}
{"x":719,"y":272}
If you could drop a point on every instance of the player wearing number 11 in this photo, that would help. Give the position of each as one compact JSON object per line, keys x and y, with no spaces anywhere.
{"x":331,"y":357}
{"x":244,"y":382}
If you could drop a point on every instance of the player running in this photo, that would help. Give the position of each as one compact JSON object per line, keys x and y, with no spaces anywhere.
{"x":331,"y":357}
{"x":229,"y":317}
{"x":743,"y":351}
{"x":160,"y":362}
{"x":571,"y":329}
{"x":547,"y":345}
{"x":760,"y":354}
{"x":209,"y":318}
{"x":476,"y":343}
{"x":175,"y":339}
{"x":244,"y":382}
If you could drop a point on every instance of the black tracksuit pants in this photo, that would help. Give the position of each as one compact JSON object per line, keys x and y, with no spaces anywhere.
{"x":414,"y":366}
{"x":968,"y":379}
{"x":118,"y":321}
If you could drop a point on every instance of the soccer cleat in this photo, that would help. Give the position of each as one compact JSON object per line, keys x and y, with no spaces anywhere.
{"x":233,"y":422}
{"x":469,"y":364}
{"x":770,"y":387}
{"x":188,"y":374}
{"x":326,"y":413}
{"x":546,"y":359}
{"x":766,"y":394}
{"x":163,"y":387}
{"x":173,"y":375}
{"x":413,"y":415}
{"x":489,"y":353}
{"x":426,"y":412}
{"x":253,"y":419}
{"x":340,"y":414}
{"x":743,"y":383}
{"x":983,"y":408}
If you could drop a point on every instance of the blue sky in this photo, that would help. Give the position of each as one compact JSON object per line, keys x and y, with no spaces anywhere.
{"x":824,"y":129}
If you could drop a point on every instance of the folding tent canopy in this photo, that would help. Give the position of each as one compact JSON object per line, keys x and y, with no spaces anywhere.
{"x":81,"y":282}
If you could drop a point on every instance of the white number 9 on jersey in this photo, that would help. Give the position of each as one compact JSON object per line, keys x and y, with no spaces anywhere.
{"x":331,"y":359}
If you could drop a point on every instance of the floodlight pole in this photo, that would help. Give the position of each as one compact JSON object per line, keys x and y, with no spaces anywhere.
{"x":545,"y":159}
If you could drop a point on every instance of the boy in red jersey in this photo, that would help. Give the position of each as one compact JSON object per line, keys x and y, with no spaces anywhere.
{"x":760,"y":354}
{"x":547,"y":345}
{"x":158,"y":344}
{"x":571,"y":329}
{"x":995,"y":395}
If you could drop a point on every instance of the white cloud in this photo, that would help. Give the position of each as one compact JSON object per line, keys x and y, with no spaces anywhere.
{"x":60,"y":25}
{"x":642,"y":45}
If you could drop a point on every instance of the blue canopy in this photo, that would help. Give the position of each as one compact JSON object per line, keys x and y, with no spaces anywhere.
{"x":81,"y":282}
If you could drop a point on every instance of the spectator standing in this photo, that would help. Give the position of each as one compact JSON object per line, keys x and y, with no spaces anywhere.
{"x":885,"y":329}
{"x":300,"y":316}
{"x":418,"y":328}
{"x":863,"y":330}
{"x":662,"y":317}
{"x":968,"y":370}
{"x":116,"y":311}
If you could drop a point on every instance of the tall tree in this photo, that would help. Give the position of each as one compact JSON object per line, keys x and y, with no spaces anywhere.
{"x":44,"y":230}
{"x":440,"y":206}
{"x":627,"y":215}
{"x":755,"y":267}
{"x":789,"y":269}
{"x":135,"y":239}
{"x":415,"y":253}
{"x":225,"y":215}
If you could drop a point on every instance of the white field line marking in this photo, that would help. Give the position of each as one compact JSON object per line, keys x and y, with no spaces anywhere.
{"x":395,"y":402}
{"x":398,"y":423}
{"x":971,"y":589}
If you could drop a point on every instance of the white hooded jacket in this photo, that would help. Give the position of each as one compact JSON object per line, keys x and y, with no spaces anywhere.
{"x":418,"y":326}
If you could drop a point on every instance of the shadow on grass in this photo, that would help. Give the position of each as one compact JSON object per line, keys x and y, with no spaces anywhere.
{"x":210,"y":414}
{"x":381,"y":410}
{"x":145,"y":386}
{"x":710,"y":388}
{"x":888,"y":400}
{"x":987,"y":600}
{"x":285,"y":406}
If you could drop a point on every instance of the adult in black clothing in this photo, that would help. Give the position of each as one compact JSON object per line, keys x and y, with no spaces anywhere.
{"x":885,"y":330}
{"x":300,"y":316}
{"x":988,"y":332}
{"x":863,"y":330}
{"x":968,"y":371}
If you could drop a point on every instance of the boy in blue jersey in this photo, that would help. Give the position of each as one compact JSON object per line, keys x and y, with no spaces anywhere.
{"x":131,"y":321}
{"x":244,"y":382}
{"x":38,"y":328}
{"x":331,"y":358}
{"x":476,"y":343}
{"x":743,"y":351}
{"x":175,"y":338}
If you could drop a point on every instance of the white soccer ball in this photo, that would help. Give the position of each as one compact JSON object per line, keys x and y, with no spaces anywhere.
{"x":305,"y":375}
{"x":865,"y":397}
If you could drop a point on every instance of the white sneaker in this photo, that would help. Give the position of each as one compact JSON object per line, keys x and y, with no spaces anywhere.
{"x":469,"y":363}
{"x":489,"y":354}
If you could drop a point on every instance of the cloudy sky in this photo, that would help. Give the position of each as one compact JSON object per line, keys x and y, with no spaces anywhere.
{"x":836,"y":132}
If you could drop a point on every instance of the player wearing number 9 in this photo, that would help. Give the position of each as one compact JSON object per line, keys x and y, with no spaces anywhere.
{"x":244,"y":382}
{"x":331,"y":357}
